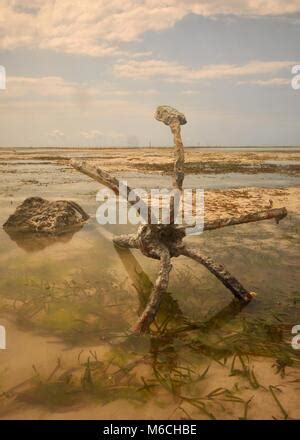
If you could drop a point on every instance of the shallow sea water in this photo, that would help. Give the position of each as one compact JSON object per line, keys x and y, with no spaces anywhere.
{"x":68,"y":304}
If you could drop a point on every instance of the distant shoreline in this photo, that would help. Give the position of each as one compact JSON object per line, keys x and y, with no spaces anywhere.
{"x":227,"y":147}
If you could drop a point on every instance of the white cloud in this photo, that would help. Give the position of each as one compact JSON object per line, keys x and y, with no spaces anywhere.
{"x":147,"y":92}
{"x":268,"y":82}
{"x":57,"y":87}
{"x":190,"y":92}
{"x":47,"y":86}
{"x":96,"y":28}
{"x":56,"y":134}
{"x":92,"y":134}
{"x":174,"y":72}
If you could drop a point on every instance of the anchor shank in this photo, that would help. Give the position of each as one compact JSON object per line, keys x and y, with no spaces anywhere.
{"x":178,"y":156}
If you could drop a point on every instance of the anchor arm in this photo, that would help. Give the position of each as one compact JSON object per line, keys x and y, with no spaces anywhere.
{"x":220,"y":272}
{"x":158,"y":291}
{"x":277,"y":213}
{"x":129,"y":241}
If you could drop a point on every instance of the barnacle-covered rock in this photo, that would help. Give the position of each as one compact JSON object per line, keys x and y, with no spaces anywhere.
{"x":36,"y":214}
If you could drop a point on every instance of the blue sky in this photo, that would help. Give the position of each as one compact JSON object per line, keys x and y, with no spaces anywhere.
{"x":87,"y":73}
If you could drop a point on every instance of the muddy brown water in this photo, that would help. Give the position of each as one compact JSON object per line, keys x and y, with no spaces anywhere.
{"x":68,"y":304}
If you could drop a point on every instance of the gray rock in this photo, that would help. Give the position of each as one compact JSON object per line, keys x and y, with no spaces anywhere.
{"x":39,"y":215}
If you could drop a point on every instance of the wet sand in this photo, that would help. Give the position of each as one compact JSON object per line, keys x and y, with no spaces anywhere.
{"x":75,"y":299}
{"x":150,"y":167}
{"x":154,"y":159}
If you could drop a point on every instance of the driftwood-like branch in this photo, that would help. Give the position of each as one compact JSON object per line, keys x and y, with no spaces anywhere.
{"x":159,"y":289}
{"x":174,"y":119}
{"x":178,"y":156}
{"x":178,"y":169}
{"x":97,"y":174}
{"x":220,"y":272}
{"x":129,"y":241}
{"x":112,"y":183}
{"x":277,"y":213}
{"x":164,"y":241}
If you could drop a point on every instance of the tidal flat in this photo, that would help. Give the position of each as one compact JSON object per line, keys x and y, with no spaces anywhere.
{"x":68,"y":303}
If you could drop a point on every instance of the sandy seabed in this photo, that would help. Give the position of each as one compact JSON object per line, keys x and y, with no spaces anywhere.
{"x":231,"y":392}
